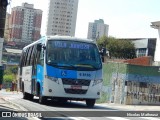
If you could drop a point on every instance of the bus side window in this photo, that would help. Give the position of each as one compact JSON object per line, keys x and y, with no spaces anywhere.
{"x":26,"y":55}
{"x":33,"y":61}
{"x":30,"y":57}
{"x":41,"y":57}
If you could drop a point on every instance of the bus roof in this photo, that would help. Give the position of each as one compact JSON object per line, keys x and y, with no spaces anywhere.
{"x":57,"y":37}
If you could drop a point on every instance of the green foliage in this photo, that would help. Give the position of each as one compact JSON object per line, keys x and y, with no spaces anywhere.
{"x":103,"y":41}
{"x":9,"y":78}
{"x":121,"y":49}
{"x":14,"y":69}
{"x":124,"y":49}
{"x":10,"y":74}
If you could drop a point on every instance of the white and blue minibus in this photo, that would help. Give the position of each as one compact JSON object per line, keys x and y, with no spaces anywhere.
{"x":62,"y":68}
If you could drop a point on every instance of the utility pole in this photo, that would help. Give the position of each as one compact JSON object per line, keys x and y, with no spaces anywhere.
{"x":3,"y":9}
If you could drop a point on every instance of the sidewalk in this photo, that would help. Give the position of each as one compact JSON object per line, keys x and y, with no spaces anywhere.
{"x":4,"y":101}
{"x":132,"y":107}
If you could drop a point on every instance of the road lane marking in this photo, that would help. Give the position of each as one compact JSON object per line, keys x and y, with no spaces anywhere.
{"x":78,"y":118}
{"x":83,"y":118}
{"x":150,"y":118}
{"x":117,"y":118}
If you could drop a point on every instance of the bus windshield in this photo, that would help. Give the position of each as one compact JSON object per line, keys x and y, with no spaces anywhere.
{"x":73,"y":55}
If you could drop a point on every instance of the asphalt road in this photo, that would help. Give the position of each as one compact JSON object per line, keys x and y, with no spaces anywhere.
{"x":72,"y":110}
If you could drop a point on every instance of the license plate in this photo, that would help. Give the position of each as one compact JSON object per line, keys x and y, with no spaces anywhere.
{"x":76,"y":86}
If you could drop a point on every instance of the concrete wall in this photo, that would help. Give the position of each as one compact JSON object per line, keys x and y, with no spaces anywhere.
{"x":146,"y":61}
{"x":131,"y":84}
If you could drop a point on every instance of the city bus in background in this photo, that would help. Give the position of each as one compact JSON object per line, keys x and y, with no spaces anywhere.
{"x":62,"y":68}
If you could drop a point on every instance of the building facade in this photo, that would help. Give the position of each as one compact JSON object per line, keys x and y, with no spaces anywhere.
{"x":62,"y":16}
{"x":25,"y":23}
{"x":97,"y":29}
{"x":156,"y":25}
{"x":145,"y":46}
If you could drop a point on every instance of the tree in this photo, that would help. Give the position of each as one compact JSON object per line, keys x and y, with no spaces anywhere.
{"x":103,"y":41}
{"x":10,"y":74}
{"x":124,"y":49}
{"x":118,"y":48}
{"x":8,"y":78}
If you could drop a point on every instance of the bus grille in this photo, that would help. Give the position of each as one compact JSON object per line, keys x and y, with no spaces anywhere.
{"x":76,"y":82}
{"x":73,"y":91}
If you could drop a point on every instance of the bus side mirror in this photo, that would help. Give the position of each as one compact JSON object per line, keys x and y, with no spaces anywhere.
{"x":39,"y":46}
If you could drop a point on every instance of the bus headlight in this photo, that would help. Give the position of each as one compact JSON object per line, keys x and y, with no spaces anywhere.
{"x":53,"y":79}
{"x":97,"y":81}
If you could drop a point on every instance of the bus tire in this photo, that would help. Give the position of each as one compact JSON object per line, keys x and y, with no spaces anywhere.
{"x":42,"y":99}
{"x":30,"y":96}
{"x":62,"y":100}
{"x":25,"y":95}
{"x":90,"y":102}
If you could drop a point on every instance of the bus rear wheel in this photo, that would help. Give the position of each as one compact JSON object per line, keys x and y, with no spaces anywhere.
{"x":24,"y":95}
{"x":42,"y":99}
{"x":90,"y":102}
{"x":27,"y":96}
{"x":30,"y":96}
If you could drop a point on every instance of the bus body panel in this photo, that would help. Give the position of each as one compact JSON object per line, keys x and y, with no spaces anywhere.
{"x":55,"y":82}
{"x":26,"y":78}
{"x":40,"y":76}
{"x":58,"y":90}
{"x":62,"y":73}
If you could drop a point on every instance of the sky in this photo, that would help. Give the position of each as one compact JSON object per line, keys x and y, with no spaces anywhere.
{"x":126,"y":18}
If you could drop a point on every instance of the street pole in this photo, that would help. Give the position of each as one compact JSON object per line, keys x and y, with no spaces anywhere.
{"x":3,"y":9}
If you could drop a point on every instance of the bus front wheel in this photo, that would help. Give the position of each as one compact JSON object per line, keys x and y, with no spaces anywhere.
{"x":90,"y":102}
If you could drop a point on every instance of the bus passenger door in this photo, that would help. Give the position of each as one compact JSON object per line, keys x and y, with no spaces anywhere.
{"x":35,"y":61}
{"x":40,"y":71}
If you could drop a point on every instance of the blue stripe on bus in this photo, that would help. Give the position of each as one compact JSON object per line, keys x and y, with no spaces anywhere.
{"x":61,"y":73}
{"x":34,"y":77}
{"x":40,"y":75}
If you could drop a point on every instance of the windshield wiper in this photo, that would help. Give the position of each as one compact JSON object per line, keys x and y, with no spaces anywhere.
{"x":85,"y":65}
{"x":61,"y":65}
{"x":66,"y":65}
{"x":53,"y":63}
